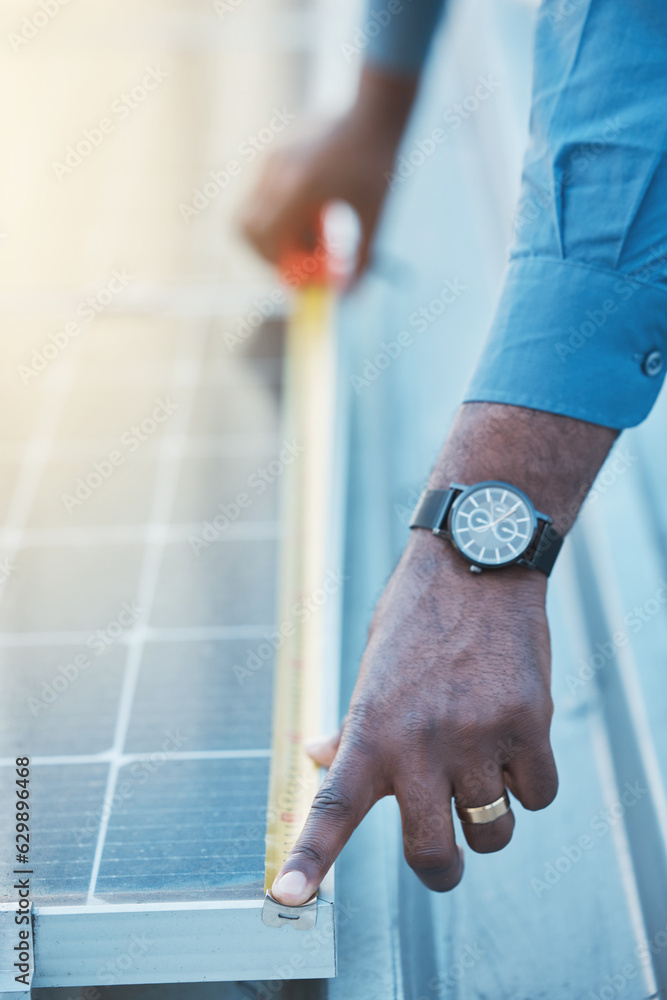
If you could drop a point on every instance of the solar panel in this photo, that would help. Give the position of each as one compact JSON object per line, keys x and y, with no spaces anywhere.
{"x":125,"y":623}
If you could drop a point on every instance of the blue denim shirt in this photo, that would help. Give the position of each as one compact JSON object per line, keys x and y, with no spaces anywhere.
{"x":581,"y":325}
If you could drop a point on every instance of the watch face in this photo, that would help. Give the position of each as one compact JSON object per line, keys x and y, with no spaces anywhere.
{"x":492,"y":524}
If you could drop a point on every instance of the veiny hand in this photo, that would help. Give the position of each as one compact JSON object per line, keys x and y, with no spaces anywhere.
{"x":452,"y":702}
{"x":347,"y":162}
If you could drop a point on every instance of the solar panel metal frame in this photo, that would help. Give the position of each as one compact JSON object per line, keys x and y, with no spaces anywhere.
{"x":216,"y":941}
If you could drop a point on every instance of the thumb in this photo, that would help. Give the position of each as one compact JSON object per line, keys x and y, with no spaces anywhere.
{"x":324,"y":750}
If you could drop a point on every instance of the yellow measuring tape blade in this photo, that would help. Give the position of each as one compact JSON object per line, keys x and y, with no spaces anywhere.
{"x":306,"y":491}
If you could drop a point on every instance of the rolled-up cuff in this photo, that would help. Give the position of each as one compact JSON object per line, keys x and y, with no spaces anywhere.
{"x":577,"y":340}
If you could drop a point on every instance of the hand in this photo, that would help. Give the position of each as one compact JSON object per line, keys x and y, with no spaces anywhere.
{"x":347,"y":162}
{"x":452,"y":701}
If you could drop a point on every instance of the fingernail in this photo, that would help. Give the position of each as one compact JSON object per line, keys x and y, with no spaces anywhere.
{"x":314,"y":746}
{"x":290,"y":887}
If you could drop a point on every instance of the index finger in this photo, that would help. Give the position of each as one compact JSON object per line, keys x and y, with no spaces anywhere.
{"x":341,"y":803}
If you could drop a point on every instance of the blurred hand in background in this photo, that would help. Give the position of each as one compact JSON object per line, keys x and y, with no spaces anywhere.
{"x":348,"y":161}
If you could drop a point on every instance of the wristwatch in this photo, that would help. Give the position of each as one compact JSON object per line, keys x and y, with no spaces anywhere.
{"x":491,"y":524}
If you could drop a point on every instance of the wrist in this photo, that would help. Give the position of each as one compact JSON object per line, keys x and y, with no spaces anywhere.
{"x":551,"y":458}
{"x":439,"y":565}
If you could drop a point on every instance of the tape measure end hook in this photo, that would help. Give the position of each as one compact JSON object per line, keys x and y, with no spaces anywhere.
{"x":275,"y":914}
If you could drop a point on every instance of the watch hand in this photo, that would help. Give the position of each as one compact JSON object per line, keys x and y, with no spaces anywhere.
{"x":503,"y":516}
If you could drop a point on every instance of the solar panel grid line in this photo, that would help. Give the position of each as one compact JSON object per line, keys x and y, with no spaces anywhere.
{"x":193,"y":304}
{"x":163,"y":498}
{"x":147,"y":634}
{"x":128,"y":533}
{"x":140,"y":375}
{"x":218,"y":374}
{"x":233,"y":444}
{"x":107,"y":756}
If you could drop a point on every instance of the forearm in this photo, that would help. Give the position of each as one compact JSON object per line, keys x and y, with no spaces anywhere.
{"x":398,"y":33}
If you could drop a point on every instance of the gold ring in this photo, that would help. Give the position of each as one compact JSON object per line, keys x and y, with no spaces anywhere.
{"x":485,"y":814}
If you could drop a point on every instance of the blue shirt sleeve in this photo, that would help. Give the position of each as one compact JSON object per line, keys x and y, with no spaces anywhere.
{"x":581,"y":326}
{"x":397,"y":33}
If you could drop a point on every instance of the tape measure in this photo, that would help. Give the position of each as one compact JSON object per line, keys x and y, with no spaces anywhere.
{"x":309,"y":393}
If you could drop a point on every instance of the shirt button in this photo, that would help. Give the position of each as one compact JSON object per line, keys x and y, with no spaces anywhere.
{"x":653,"y":363}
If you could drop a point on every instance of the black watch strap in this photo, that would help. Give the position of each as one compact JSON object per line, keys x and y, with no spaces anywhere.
{"x":547,"y":548}
{"x":434,"y":505}
{"x":431,"y":509}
